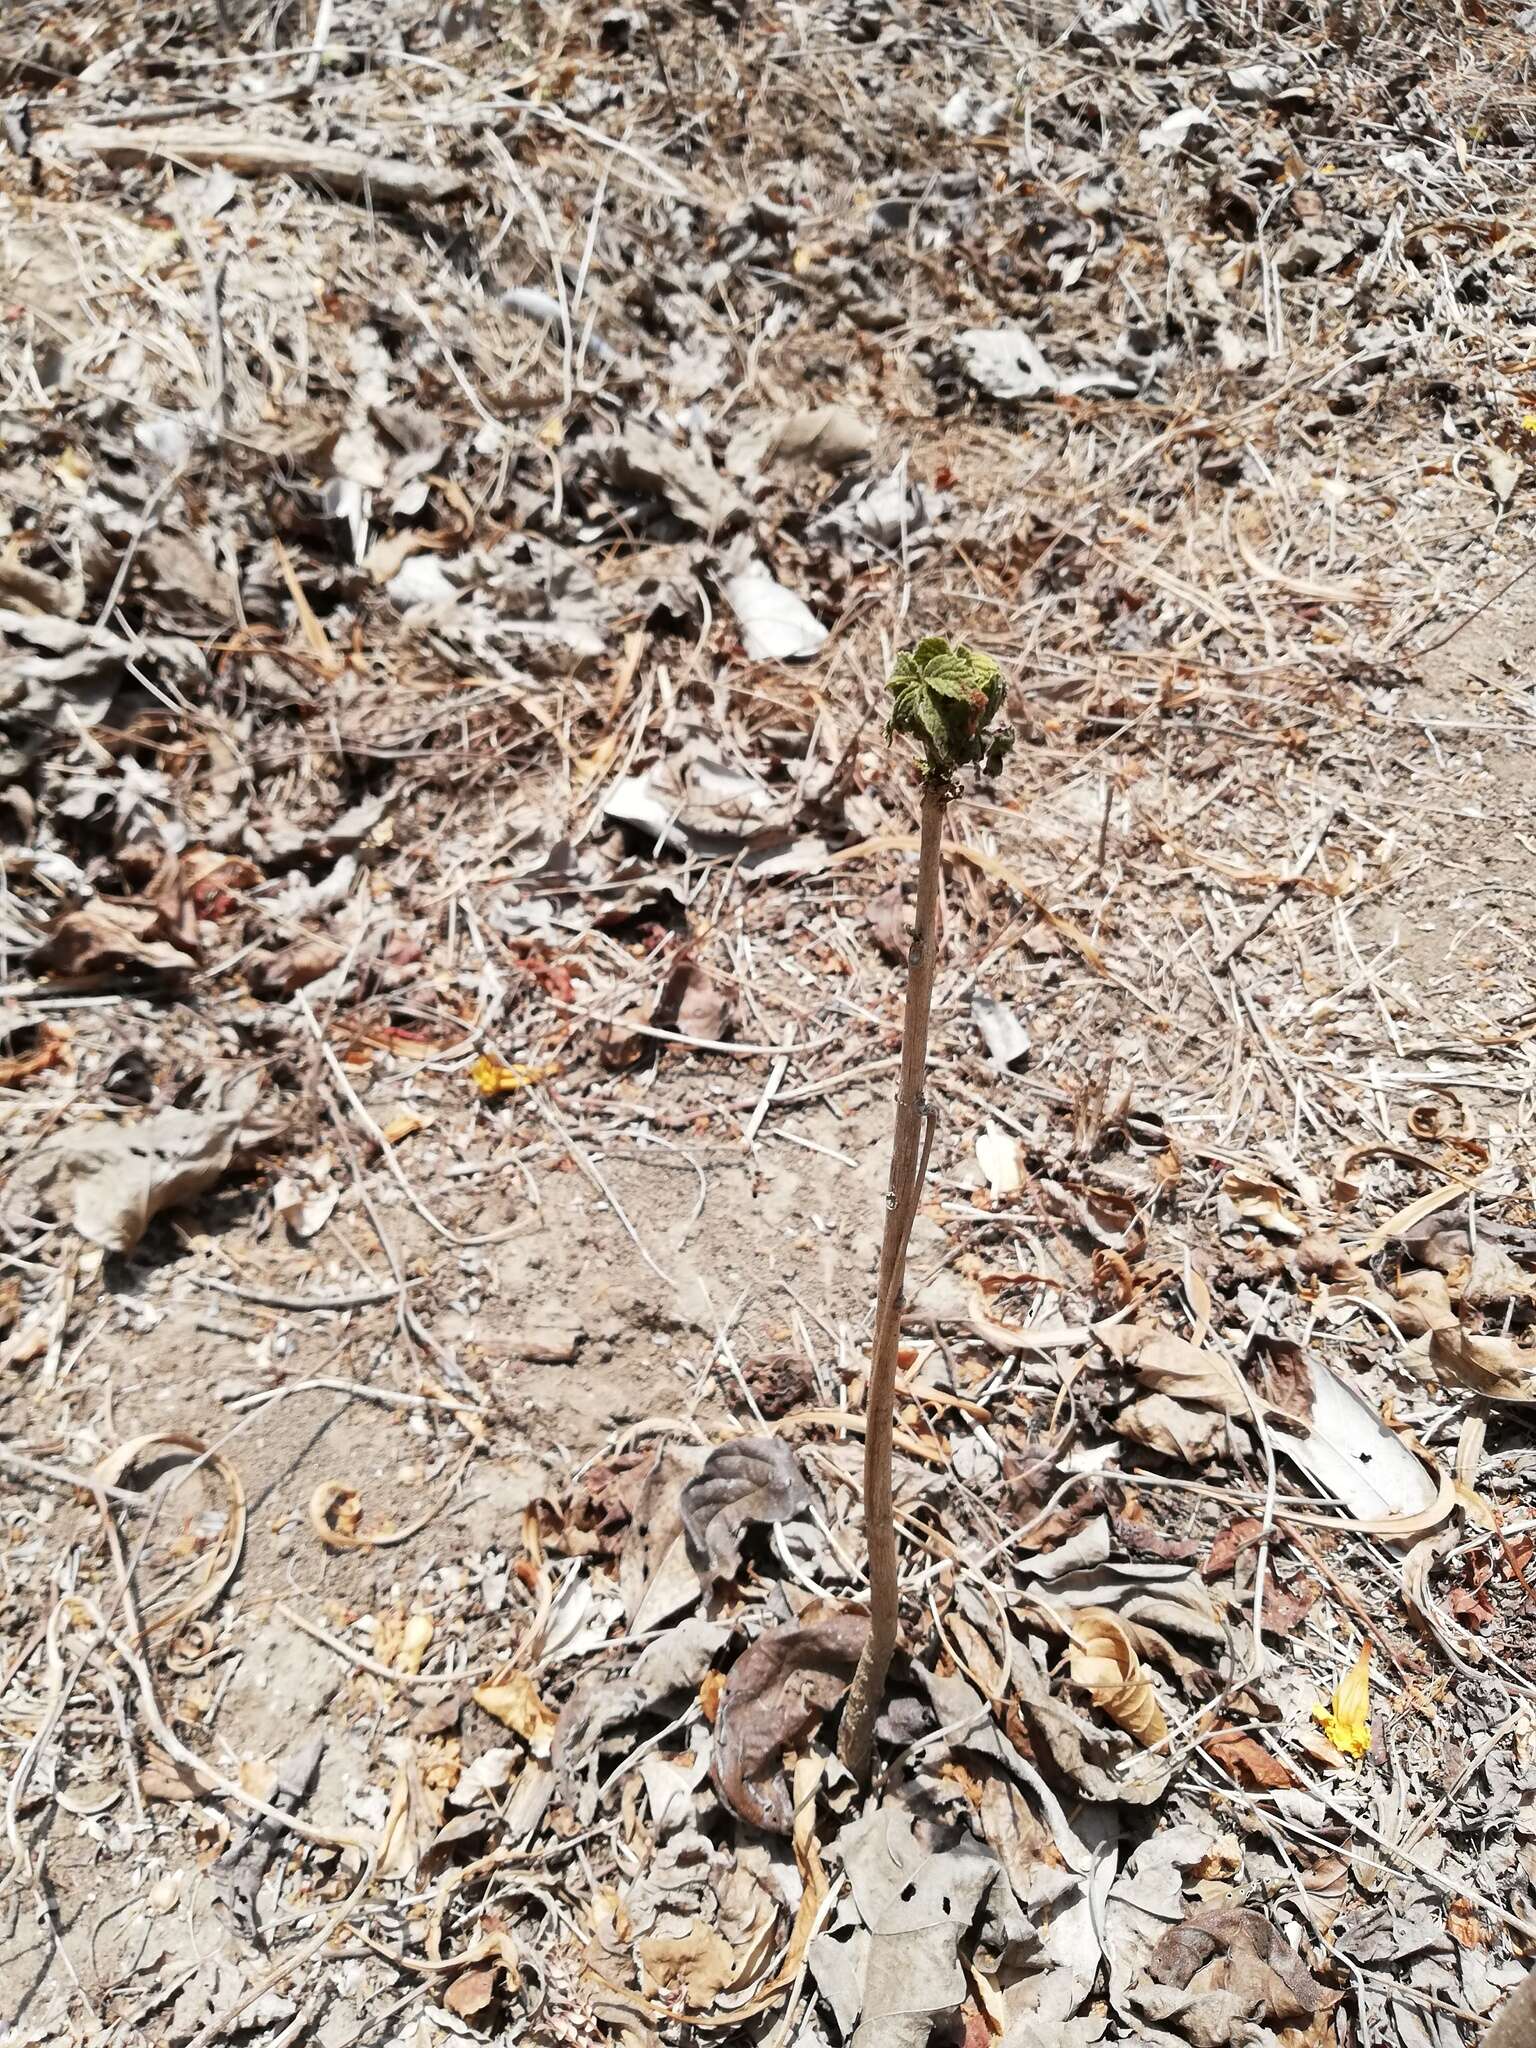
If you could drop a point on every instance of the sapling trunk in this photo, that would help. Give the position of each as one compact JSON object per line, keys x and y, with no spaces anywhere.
{"x":909,"y":1164}
{"x":944,"y":698}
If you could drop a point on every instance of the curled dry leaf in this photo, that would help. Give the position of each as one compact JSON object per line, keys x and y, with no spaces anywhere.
{"x":274,"y":976}
{"x":694,"y":1967}
{"x":1251,"y":1197}
{"x":1167,"y":1364}
{"x":774,"y":1695}
{"x":513,"y":1700}
{"x":116,"y":938}
{"x":1496,"y":1367}
{"x":1224,"y":1948}
{"x":1192,"y":1435}
{"x":1087,"y":1758}
{"x":1249,"y":1761}
{"x":756,"y":1479}
{"x":1105,"y":1664}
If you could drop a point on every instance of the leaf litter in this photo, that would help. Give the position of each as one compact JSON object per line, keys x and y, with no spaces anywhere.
{"x":449,"y":538}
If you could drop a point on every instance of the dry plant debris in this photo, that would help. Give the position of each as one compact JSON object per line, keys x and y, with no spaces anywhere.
{"x":467,"y":472}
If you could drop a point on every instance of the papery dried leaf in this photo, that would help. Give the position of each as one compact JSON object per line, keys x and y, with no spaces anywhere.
{"x":1496,"y":1367}
{"x":274,"y":976}
{"x":1249,"y":1761}
{"x":1105,"y":1664}
{"x":774,"y":1695}
{"x":1346,"y":1721}
{"x":755,"y":1479}
{"x":698,"y":1965}
{"x":116,"y":938}
{"x":513,"y":1700}
{"x":1224,"y":1948}
{"x":472,"y":1991}
{"x":1171,"y":1365}
{"x":1251,"y":1197}
{"x":1192,"y":1435}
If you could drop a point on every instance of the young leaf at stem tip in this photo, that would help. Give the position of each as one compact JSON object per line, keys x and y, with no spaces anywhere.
{"x":945,"y":698}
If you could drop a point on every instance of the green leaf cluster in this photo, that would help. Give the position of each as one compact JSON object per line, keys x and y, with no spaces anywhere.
{"x":946,"y":698}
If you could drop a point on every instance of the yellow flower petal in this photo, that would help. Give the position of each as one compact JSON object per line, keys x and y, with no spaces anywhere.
{"x":1346,"y":1721}
{"x":495,"y":1077}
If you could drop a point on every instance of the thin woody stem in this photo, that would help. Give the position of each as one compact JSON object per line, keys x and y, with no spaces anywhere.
{"x":909,"y":1159}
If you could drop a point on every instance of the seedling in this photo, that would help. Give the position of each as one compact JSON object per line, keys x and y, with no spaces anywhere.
{"x":945,"y":699}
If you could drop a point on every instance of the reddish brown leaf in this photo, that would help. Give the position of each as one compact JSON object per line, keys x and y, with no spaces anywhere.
{"x":775,"y":1694}
{"x":1235,"y":1538}
{"x":1249,"y":1761}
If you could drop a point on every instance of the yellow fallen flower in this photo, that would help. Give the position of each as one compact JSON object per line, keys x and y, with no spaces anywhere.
{"x":1347,"y":1720}
{"x":494,"y":1077}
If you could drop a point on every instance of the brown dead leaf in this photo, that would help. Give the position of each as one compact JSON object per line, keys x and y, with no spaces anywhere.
{"x":1496,"y":1367}
{"x":115,"y":938}
{"x":696,"y":1966}
{"x":756,"y":1479}
{"x":1224,"y":1948}
{"x":1171,"y":1365}
{"x":513,"y":1700}
{"x":1251,"y":1197}
{"x":1105,"y":1664}
{"x":45,"y":1049}
{"x":774,"y":1695}
{"x":1228,"y":1544}
{"x":404,"y":1124}
{"x":473,"y":1991}
{"x":167,"y":1778}
{"x":1249,"y":1761}
{"x":1192,"y":1435}
{"x":275,"y":976}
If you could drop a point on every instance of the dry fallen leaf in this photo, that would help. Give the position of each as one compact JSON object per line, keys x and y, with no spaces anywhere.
{"x":1105,"y":1664}
{"x":755,"y":1479}
{"x":774,"y":1695}
{"x":47,"y":1051}
{"x":1167,"y":1364}
{"x":413,"y":1642}
{"x":1250,"y":1197}
{"x":404,"y":1125}
{"x":696,"y":1966}
{"x":1346,"y":1721}
{"x":116,"y":938}
{"x":514,"y":1701}
{"x":1249,"y":1761}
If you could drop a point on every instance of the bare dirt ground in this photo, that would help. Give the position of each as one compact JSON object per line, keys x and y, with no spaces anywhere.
{"x":467,"y":472}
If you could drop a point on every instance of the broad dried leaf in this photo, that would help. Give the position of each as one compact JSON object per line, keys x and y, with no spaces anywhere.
{"x":275,"y":976}
{"x":1171,"y":1365}
{"x":1496,"y":1367}
{"x":1249,"y":1761}
{"x":513,"y":1700}
{"x":472,"y":1991}
{"x":1192,"y":1435}
{"x":699,"y":1965}
{"x":1225,"y":1949}
{"x":1346,"y":1721}
{"x":774,"y":1695}
{"x":117,"y":938}
{"x":1105,"y":1664}
{"x":121,"y":1176}
{"x":1250,"y":1197}
{"x":755,"y":1479}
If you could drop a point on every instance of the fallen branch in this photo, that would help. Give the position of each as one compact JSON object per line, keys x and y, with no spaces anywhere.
{"x":381,"y":180}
